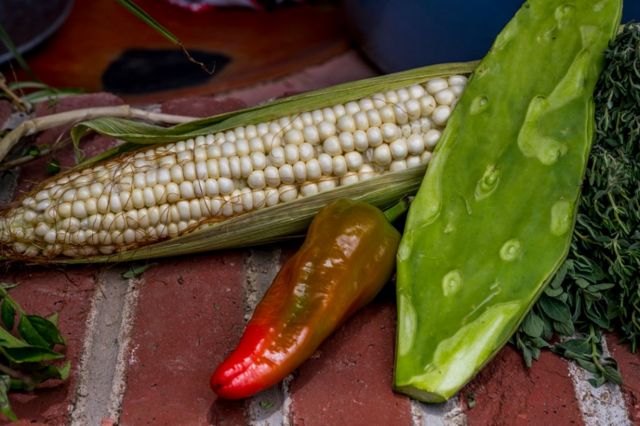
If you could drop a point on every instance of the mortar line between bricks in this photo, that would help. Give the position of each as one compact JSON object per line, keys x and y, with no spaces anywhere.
{"x":604,"y":405}
{"x":124,"y":341}
{"x":270,"y":407}
{"x":448,"y":413}
{"x":99,"y":359}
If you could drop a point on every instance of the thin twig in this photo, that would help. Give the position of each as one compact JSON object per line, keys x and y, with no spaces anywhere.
{"x":20,"y":104}
{"x":35,"y":125}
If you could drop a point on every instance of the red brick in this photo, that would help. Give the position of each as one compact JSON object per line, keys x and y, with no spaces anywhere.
{"x":76,"y":102}
{"x":348,"y":381}
{"x":629,"y":364}
{"x":201,"y":106}
{"x":5,"y":111}
{"x":507,"y":393}
{"x":44,"y":292}
{"x":189,"y":316}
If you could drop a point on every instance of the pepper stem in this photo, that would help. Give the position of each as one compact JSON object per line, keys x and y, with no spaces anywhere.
{"x":395,"y":211}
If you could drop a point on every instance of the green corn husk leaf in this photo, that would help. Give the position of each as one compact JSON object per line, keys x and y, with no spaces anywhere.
{"x":137,"y":133}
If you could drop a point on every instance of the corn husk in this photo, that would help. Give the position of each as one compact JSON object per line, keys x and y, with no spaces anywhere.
{"x":274,"y":223}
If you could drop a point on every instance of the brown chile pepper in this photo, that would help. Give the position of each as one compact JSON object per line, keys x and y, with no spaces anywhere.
{"x":346,"y":258}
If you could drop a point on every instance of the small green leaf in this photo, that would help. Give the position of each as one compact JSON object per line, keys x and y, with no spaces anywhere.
{"x":135,"y":271}
{"x":265,"y":405}
{"x":31,"y":334}
{"x":612,"y":374}
{"x":8,"y":340}
{"x":564,"y":328}
{"x":7,"y":286}
{"x":471,"y":400}
{"x":33,"y":151}
{"x":31,"y":354}
{"x":555,"y":309}
{"x":8,"y":313}
{"x":533,"y":325}
{"x":53,"y":166}
{"x":5,"y":405}
{"x":53,"y":318}
{"x":46,"y":329}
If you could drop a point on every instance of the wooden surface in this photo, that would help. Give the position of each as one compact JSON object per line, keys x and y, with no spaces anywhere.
{"x":262,"y":45}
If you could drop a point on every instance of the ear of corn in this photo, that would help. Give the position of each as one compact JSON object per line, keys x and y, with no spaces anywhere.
{"x":237,"y":179}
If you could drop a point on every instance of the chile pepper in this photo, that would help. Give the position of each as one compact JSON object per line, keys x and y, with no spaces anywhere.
{"x":346,"y":258}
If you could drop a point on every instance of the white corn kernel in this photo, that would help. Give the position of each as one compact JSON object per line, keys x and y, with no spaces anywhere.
{"x":272,"y":196}
{"x":374,"y":138}
{"x":326,"y":129}
{"x":441,"y":114}
{"x":173,"y":192}
{"x":294,"y":136}
{"x":307,"y":151}
{"x":235,"y":168}
{"x":431,"y":139}
{"x":308,"y":189}
{"x":339,"y":165}
{"x":225,"y":186}
{"x":326,"y":185}
{"x":326,"y":163}
{"x":211,"y":187}
{"x":329,"y":115}
{"x":259,"y":199}
{"x":398,"y":165}
{"x":288,"y":193}
{"x":435,"y":85}
{"x":311,"y":134}
{"x":413,"y":161}
{"x":398,"y":149}
{"x":349,"y":179}
{"x":346,"y":124}
{"x":224,"y":167}
{"x":445,"y":97}
{"x":291,"y":153}
{"x":457,"y":80}
{"x":382,"y":155}
{"x":415,"y":144}
{"x":246,"y":166}
{"x":373,"y":116}
{"x":366,"y":104}
{"x":256,"y":179}
{"x":332,"y":145}
{"x":286,"y":174}
{"x":272,"y":176}
{"x":403,"y":95}
{"x":390,"y":132}
{"x":387,"y":114}
{"x":276,"y":157}
{"x":313,"y":169}
{"x":354,"y":160}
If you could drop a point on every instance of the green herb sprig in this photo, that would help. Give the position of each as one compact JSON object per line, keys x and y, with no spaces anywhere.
{"x":597,"y":289}
{"x":27,"y":350}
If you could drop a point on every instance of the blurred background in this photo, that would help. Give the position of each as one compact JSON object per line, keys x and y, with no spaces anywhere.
{"x":99,"y":45}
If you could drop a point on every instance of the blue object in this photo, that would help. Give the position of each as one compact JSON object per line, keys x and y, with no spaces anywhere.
{"x":403,"y":34}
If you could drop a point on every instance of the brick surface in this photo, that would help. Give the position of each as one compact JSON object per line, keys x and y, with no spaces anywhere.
{"x":348,"y":380}
{"x":506,"y":393}
{"x":5,"y":111}
{"x":201,"y":106}
{"x":44,"y":292}
{"x":629,"y":364}
{"x":189,"y":316}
